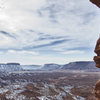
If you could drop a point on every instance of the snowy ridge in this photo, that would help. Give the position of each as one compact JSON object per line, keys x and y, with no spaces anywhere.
{"x":10,"y":67}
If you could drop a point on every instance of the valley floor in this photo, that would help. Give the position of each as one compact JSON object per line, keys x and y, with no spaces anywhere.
{"x":51,"y":85}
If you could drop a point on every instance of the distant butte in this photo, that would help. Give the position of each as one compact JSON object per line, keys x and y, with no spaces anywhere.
{"x":96,"y":2}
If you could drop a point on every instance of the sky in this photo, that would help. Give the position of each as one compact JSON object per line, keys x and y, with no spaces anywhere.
{"x":48,"y":31}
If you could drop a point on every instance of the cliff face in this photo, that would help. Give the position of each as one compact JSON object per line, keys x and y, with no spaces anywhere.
{"x":10,"y":67}
{"x":96,"y":2}
{"x":97,"y":51}
{"x":97,"y":58}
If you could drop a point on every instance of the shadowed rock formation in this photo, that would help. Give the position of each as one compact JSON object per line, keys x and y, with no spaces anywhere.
{"x":97,"y":51}
{"x":97,"y":58}
{"x":96,"y":2}
{"x":97,"y":90}
{"x":97,"y":61}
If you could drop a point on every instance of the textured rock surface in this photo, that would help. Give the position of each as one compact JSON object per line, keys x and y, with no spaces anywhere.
{"x":97,"y":51}
{"x":97,"y":58}
{"x":97,"y":90}
{"x":96,"y":2}
{"x":97,"y":61}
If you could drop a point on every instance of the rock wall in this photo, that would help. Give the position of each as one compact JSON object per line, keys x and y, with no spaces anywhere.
{"x":96,"y":2}
{"x":97,"y":58}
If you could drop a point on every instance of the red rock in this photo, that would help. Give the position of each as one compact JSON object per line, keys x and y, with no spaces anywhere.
{"x":96,"y":2}
{"x":97,"y":61}
{"x":97,"y":48}
{"x":97,"y":90}
{"x":97,"y":51}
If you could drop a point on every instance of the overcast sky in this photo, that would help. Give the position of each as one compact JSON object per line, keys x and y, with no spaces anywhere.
{"x":48,"y":31}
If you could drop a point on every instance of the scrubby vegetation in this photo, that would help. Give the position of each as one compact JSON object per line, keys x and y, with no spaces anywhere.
{"x":48,"y":86}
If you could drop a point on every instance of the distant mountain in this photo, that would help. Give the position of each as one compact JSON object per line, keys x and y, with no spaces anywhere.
{"x":31,"y":67}
{"x":13,"y":63}
{"x":80,"y":65}
{"x":10,"y":67}
{"x":51,"y":66}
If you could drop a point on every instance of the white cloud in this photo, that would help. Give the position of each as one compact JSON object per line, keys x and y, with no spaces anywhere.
{"x":69,"y":14}
{"x":73,"y":52}
{"x":1,"y":52}
{"x":77,"y":20}
{"x":23,"y":52}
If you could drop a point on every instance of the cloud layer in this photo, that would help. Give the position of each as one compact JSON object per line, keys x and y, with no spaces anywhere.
{"x":49,"y":29}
